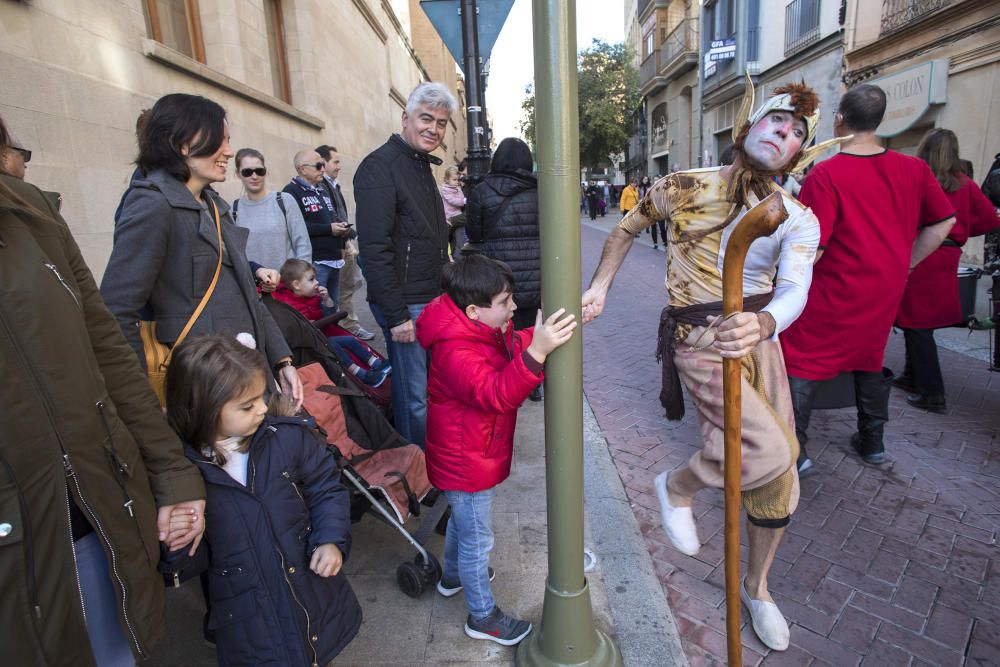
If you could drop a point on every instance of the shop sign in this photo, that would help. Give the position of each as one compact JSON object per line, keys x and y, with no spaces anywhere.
{"x":723,"y":49}
{"x":720,"y":49}
{"x":910,"y":93}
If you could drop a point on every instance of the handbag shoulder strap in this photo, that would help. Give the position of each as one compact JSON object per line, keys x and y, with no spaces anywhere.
{"x":208,"y":293}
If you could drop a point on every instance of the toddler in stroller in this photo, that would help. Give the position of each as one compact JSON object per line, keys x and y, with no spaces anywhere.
{"x":300,"y":290}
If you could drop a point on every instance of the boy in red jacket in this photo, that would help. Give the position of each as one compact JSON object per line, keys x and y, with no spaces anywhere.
{"x":480,"y":372}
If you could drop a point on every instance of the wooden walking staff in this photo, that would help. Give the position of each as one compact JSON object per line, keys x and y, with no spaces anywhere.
{"x":760,"y":221}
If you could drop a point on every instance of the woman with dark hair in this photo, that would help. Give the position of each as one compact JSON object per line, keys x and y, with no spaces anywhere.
{"x":91,"y":476}
{"x":277,"y":230}
{"x":167,"y":240}
{"x":931,"y":299}
{"x":502,"y":215}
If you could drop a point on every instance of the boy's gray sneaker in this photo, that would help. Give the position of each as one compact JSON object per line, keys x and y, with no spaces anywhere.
{"x":447,"y":587}
{"x":498,"y":627}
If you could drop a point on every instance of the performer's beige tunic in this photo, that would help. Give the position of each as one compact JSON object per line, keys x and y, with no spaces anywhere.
{"x":695,"y":208}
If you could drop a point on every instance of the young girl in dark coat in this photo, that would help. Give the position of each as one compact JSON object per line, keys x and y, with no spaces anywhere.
{"x":277,"y":518}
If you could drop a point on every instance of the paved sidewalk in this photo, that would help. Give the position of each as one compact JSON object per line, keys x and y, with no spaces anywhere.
{"x":881,"y":565}
{"x":628,"y":603}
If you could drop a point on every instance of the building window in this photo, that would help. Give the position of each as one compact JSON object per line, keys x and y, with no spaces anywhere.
{"x":176,"y":24}
{"x":801,"y":24}
{"x":649,"y":44}
{"x":753,"y":30}
{"x":275,"y":25}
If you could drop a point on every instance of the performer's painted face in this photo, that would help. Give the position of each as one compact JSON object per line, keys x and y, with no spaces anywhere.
{"x":773,"y":141}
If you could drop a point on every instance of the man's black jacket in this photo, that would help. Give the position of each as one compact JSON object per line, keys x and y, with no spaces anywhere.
{"x":402,"y":231}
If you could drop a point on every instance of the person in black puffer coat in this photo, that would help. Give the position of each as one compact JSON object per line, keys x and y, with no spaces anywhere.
{"x":502,"y":214}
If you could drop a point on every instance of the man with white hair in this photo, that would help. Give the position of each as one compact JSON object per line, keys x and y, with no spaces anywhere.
{"x":403,"y":238}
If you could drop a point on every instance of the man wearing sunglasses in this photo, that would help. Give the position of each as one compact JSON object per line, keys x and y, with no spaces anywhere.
{"x":15,"y":159}
{"x":320,"y":214}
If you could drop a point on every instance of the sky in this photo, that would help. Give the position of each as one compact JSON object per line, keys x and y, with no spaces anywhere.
{"x":512,"y":62}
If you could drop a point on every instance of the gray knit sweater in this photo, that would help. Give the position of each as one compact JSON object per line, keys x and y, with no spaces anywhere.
{"x":273,"y":237}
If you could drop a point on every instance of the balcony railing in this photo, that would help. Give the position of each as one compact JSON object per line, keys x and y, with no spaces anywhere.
{"x":801,"y":24}
{"x":649,"y":68}
{"x":897,"y":14}
{"x":683,"y":38}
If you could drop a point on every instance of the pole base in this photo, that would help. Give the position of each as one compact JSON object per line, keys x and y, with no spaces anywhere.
{"x":567,"y":636}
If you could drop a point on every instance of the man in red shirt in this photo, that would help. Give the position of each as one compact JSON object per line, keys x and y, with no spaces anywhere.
{"x":880,"y":214}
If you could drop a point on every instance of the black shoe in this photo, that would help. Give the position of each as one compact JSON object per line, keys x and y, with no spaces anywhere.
{"x":207,"y":632}
{"x":536,"y":394}
{"x":929,"y":403}
{"x":498,"y":627}
{"x":868,"y":454}
{"x":448,"y":588}
{"x":905,"y":383}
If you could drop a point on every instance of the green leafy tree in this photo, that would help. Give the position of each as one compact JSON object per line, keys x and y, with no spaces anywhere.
{"x":609,"y":94}
{"x":527,"y":123}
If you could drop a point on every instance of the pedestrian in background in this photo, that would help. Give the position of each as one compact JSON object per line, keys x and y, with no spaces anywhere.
{"x":350,"y":273}
{"x":931,"y":300}
{"x":277,"y":230}
{"x":326,"y":232}
{"x":454,"y":206}
{"x":592,"y":194}
{"x":630,"y":197}
{"x":503,"y":216}
{"x":880,"y":213}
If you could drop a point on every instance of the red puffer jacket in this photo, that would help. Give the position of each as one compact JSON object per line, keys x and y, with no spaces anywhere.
{"x":478,"y":378}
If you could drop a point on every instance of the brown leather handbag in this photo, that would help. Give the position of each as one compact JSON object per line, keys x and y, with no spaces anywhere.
{"x":157,"y":353}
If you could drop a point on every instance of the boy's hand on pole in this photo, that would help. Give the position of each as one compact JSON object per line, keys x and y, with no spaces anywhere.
{"x":551,"y":333}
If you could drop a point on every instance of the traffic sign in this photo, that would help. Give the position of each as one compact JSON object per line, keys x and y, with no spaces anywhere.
{"x":446,"y":18}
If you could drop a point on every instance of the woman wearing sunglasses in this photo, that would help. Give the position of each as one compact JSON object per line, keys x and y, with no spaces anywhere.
{"x":277,"y":230}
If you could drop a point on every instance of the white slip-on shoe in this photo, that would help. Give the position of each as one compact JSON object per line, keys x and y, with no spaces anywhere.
{"x":678,"y":522}
{"x":768,"y":622}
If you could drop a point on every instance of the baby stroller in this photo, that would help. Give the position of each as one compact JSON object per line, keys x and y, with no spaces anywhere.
{"x":386,"y":474}
{"x":309,"y":344}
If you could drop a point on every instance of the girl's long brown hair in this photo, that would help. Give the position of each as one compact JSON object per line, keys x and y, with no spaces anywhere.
{"x":204,"y":374}
{"x":939,"y":149}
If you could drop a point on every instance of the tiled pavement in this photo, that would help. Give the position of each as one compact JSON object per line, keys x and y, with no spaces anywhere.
{"x":881,"y":565}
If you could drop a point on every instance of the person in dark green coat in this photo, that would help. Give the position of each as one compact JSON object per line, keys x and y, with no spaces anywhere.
{"x":90,"y":473}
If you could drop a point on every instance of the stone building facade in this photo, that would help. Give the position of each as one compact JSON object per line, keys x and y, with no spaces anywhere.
{"x":290,"y":73}
{"x":670,"y":122}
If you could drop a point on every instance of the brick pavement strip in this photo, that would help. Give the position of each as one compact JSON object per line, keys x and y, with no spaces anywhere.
{"x":886,"y":565}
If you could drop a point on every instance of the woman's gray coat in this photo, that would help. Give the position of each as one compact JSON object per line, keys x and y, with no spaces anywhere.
{"x":164,"y":256}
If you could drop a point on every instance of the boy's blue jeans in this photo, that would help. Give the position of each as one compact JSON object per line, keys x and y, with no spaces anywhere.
{"x":467,"y":547}
{"x":409,"y":379}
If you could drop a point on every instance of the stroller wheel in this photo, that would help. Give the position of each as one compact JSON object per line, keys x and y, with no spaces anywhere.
{"x":431,"y":570}
{"x":410,"y":579}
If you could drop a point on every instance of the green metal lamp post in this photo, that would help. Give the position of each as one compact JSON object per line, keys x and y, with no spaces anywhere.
{"x":566,"y":635}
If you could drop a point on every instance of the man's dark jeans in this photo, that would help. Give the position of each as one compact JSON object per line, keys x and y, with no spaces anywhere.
{"x":409,"y":379}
